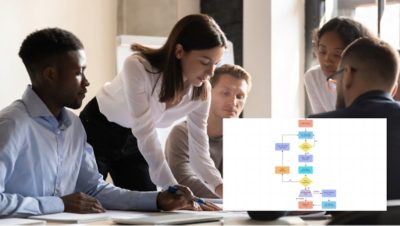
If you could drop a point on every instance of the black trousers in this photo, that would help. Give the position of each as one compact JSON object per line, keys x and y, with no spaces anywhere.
{"x":116,"y":150}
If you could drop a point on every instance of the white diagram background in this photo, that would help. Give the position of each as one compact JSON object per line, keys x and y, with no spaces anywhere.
{"x":349,"y":156}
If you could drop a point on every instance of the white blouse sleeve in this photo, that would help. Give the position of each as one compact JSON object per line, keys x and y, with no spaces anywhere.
{"x":143,"y":127}
{"x":199,"y":153}
{"x":312,"y":92}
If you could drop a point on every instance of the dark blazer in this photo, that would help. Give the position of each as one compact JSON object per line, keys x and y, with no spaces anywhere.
{"x":374,"y":104}
{"x":378,"y":104}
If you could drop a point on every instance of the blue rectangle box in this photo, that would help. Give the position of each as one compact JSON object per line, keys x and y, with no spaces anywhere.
{"x":282,"y":146}
{"x":328,"y":204}
{"x":305,"y":135}
{"x":329,"y":193}
{"x":305,"y":169}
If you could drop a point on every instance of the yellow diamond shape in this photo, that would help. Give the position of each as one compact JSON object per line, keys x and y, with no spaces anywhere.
{"x":305,"y":181}
{"x":305,"y":146}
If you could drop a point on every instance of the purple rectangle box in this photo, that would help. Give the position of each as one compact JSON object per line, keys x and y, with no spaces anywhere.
{"x":305,"y":158}
{"x":282,"y":146}
{"x":305,"y":193}
{"x":329,"y":193}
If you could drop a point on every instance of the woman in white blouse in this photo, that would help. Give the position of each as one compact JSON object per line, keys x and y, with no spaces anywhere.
{"x":329,"y":42}
{"x":155,"y":88}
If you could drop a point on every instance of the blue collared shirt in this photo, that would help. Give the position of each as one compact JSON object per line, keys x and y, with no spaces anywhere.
{"x":43,"y":158}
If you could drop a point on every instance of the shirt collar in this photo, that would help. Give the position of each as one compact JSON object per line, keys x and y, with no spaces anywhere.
{"x":375,"y":94}
{"x":37,"y":108}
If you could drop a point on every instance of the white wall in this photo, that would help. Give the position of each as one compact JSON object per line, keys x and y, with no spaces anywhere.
{"x":93,"y":21}
{"x":288,"y":47}
{"x":257,"y":56}
{"x":273,"y":52}
{"x":154,"y":17}
{"x":271,"y":28}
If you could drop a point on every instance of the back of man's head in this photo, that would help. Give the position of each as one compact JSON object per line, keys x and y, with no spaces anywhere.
{"x":40,"y":47}
{"x":376,"y":62}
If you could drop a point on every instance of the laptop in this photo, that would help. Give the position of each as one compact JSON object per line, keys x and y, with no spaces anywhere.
{"x":169,"y":218}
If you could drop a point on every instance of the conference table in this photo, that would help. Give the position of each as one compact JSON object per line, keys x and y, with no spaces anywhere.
{"x":228,"y":218}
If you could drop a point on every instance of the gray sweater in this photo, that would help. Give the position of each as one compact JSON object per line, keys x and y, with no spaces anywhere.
{"x":177,"y":155}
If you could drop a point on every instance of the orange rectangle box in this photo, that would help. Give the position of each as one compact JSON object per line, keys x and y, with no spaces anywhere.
{"x":282,"y":170}
{"x":305,"y":205}
{"x":307,"y":123}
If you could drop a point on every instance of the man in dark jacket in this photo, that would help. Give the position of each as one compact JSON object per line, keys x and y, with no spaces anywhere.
{"x":365,"y":81}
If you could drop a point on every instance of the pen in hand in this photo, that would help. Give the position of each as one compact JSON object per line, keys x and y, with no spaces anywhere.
{"x":175,"y":190}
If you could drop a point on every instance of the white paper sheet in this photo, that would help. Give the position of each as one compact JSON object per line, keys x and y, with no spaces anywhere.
{"x":21,"y":221}
{"x":73,"y":217}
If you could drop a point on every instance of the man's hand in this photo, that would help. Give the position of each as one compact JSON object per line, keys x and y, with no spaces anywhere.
{"x":183,"y":199}
{"x":81,"y":203}
{"x":219,"y":190}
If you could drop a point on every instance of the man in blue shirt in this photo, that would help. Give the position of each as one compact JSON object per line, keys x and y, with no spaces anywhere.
{"x":46,"y":166}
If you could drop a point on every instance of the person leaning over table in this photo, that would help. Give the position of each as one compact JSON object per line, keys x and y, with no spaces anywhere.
{"x":46,"y":165}
{"x":156,"y":87}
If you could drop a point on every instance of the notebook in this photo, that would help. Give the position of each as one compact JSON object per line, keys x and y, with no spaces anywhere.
{"x":169,"y":218}
{"x":74,"y":218}
{"x":21,"y":221}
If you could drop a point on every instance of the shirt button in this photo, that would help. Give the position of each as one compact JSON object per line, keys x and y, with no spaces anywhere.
{"x":58,"y":132}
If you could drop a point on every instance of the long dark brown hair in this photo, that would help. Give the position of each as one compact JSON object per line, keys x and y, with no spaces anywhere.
{"x":193,"y":32}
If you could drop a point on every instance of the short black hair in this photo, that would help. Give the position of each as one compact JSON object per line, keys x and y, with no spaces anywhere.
{"x":377,"y":57}
{"x":41,"y":45}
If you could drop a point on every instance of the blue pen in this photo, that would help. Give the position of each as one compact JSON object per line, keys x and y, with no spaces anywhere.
{"x":175,"y":190}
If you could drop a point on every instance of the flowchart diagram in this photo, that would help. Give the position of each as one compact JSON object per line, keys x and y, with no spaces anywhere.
{"x":304,"y":164}
{"x":305,"y":168}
